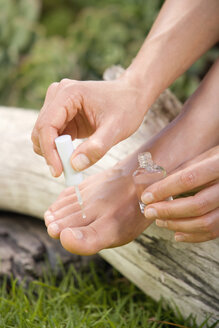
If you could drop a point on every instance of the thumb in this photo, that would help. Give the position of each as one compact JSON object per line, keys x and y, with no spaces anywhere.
{"x":92,"y":149}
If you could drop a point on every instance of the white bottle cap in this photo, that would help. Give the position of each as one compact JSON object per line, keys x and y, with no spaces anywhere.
{"x":65,"y":149}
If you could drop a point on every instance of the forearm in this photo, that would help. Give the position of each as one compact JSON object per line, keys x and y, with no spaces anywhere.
{"x":182,"y":32}
{"x":194,"y":131}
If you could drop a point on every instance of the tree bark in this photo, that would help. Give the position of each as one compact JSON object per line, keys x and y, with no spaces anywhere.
{"x":26,"y":249}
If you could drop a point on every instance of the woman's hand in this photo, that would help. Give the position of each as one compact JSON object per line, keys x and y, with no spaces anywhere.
{"x":105,"y":111}
{"x":193,"y":218}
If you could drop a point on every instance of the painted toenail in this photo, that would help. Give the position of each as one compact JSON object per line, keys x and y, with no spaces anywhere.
{"x":53,"y":227}
{"x":76,"y":233}
{"x":47,"y":213}
{"x":50,"y":218}
{"x":147,"y":198}
{"x":150,"y":213}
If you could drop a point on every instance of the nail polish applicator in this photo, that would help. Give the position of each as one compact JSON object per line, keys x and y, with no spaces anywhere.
{"x":65,"y":149}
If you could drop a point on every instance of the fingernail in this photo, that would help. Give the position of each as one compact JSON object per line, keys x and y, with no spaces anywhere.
{"x":150,"y":213}
{"x":147,"y":197}
{"x":52,"y":171}
{"x":76,"y":233}
{"x":179,"y":237}
{"x":54,"y":228}
{"x":80,"y":162}
{"x":161,"y":223}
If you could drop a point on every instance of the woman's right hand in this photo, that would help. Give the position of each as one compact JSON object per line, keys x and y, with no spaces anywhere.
{"x":104,"y":111}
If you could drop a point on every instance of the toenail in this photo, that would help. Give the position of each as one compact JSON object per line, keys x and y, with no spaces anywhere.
{"x":50,"y":218}
{"x":47,"y":213}
{"x":76,"y":233}
{"x":54,"y":227}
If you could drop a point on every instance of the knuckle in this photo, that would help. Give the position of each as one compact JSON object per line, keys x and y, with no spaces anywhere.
{"x":200,"y":205}
{"x":53,"y":85}
{"x":33,"y":137}
{"x":187,"y":179}
{"x":36,"y":150}
{"x":213,"y":235}
{"x":169,"y":224}
{"x":71,"y":100}
{"x":65,"y":81}
{"x":206,"y":225}
{"x":166,"y":213}
{"x":98,"y":149}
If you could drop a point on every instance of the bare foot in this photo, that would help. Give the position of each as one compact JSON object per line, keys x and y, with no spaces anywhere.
{"x":113,"y":217}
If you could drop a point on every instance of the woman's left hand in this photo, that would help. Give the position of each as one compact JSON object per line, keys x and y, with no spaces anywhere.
{"x":194,"y":218}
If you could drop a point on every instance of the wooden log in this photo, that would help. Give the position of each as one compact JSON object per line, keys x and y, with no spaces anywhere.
{"x":26,"y":249}
{"x":184,"y":274}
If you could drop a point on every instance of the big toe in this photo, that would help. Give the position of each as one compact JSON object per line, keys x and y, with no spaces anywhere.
{"x":90,"y":239}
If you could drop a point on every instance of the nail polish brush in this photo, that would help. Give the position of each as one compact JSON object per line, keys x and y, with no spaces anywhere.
{"x":65,"y":149}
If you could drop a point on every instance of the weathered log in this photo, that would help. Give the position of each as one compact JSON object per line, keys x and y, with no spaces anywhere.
{"x":26,"y":249}
{"x":182,"y":273}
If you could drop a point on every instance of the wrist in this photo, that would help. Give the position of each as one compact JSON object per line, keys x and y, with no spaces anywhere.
{"x":144,"y":90}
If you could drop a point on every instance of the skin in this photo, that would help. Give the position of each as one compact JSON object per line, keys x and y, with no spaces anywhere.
{"x":113,"y":217}
{"x":195,"y":218}
{"x":94,"y":108}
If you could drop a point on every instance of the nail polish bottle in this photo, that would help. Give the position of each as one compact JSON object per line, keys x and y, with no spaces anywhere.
{"x":146,"y":174}
{"x":65,"y":149}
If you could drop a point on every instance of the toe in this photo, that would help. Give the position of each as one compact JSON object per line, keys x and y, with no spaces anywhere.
{"x":92,"y":238}
{"x":63,"y":202}
{"x":53,"y":230}
{"x":73,"y":220}
{"x":48,"y":217}
{"x":67,"y":192}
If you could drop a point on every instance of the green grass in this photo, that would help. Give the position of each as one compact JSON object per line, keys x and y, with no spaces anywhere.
{"x":97,"y":298}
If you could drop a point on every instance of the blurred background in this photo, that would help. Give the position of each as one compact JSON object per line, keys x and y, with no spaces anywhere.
{"x":42,"y":41}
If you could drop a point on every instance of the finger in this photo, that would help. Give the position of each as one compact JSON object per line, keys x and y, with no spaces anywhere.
{"x":37,"y":150}
{"x":47,"y":138}
{"x":60,"y":111}
{"x":208,"y":224}
{"x":195,"y":237}
{"x":203,"y":202}
{"x":92,"y":238}
{"x":50,"y":94}
{"x":210,"y":152}
{"x":93,"y":149}
{"x":185,"y":180}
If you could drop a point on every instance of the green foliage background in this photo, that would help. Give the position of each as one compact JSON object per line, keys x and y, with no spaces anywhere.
{"x":42,"y":41}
